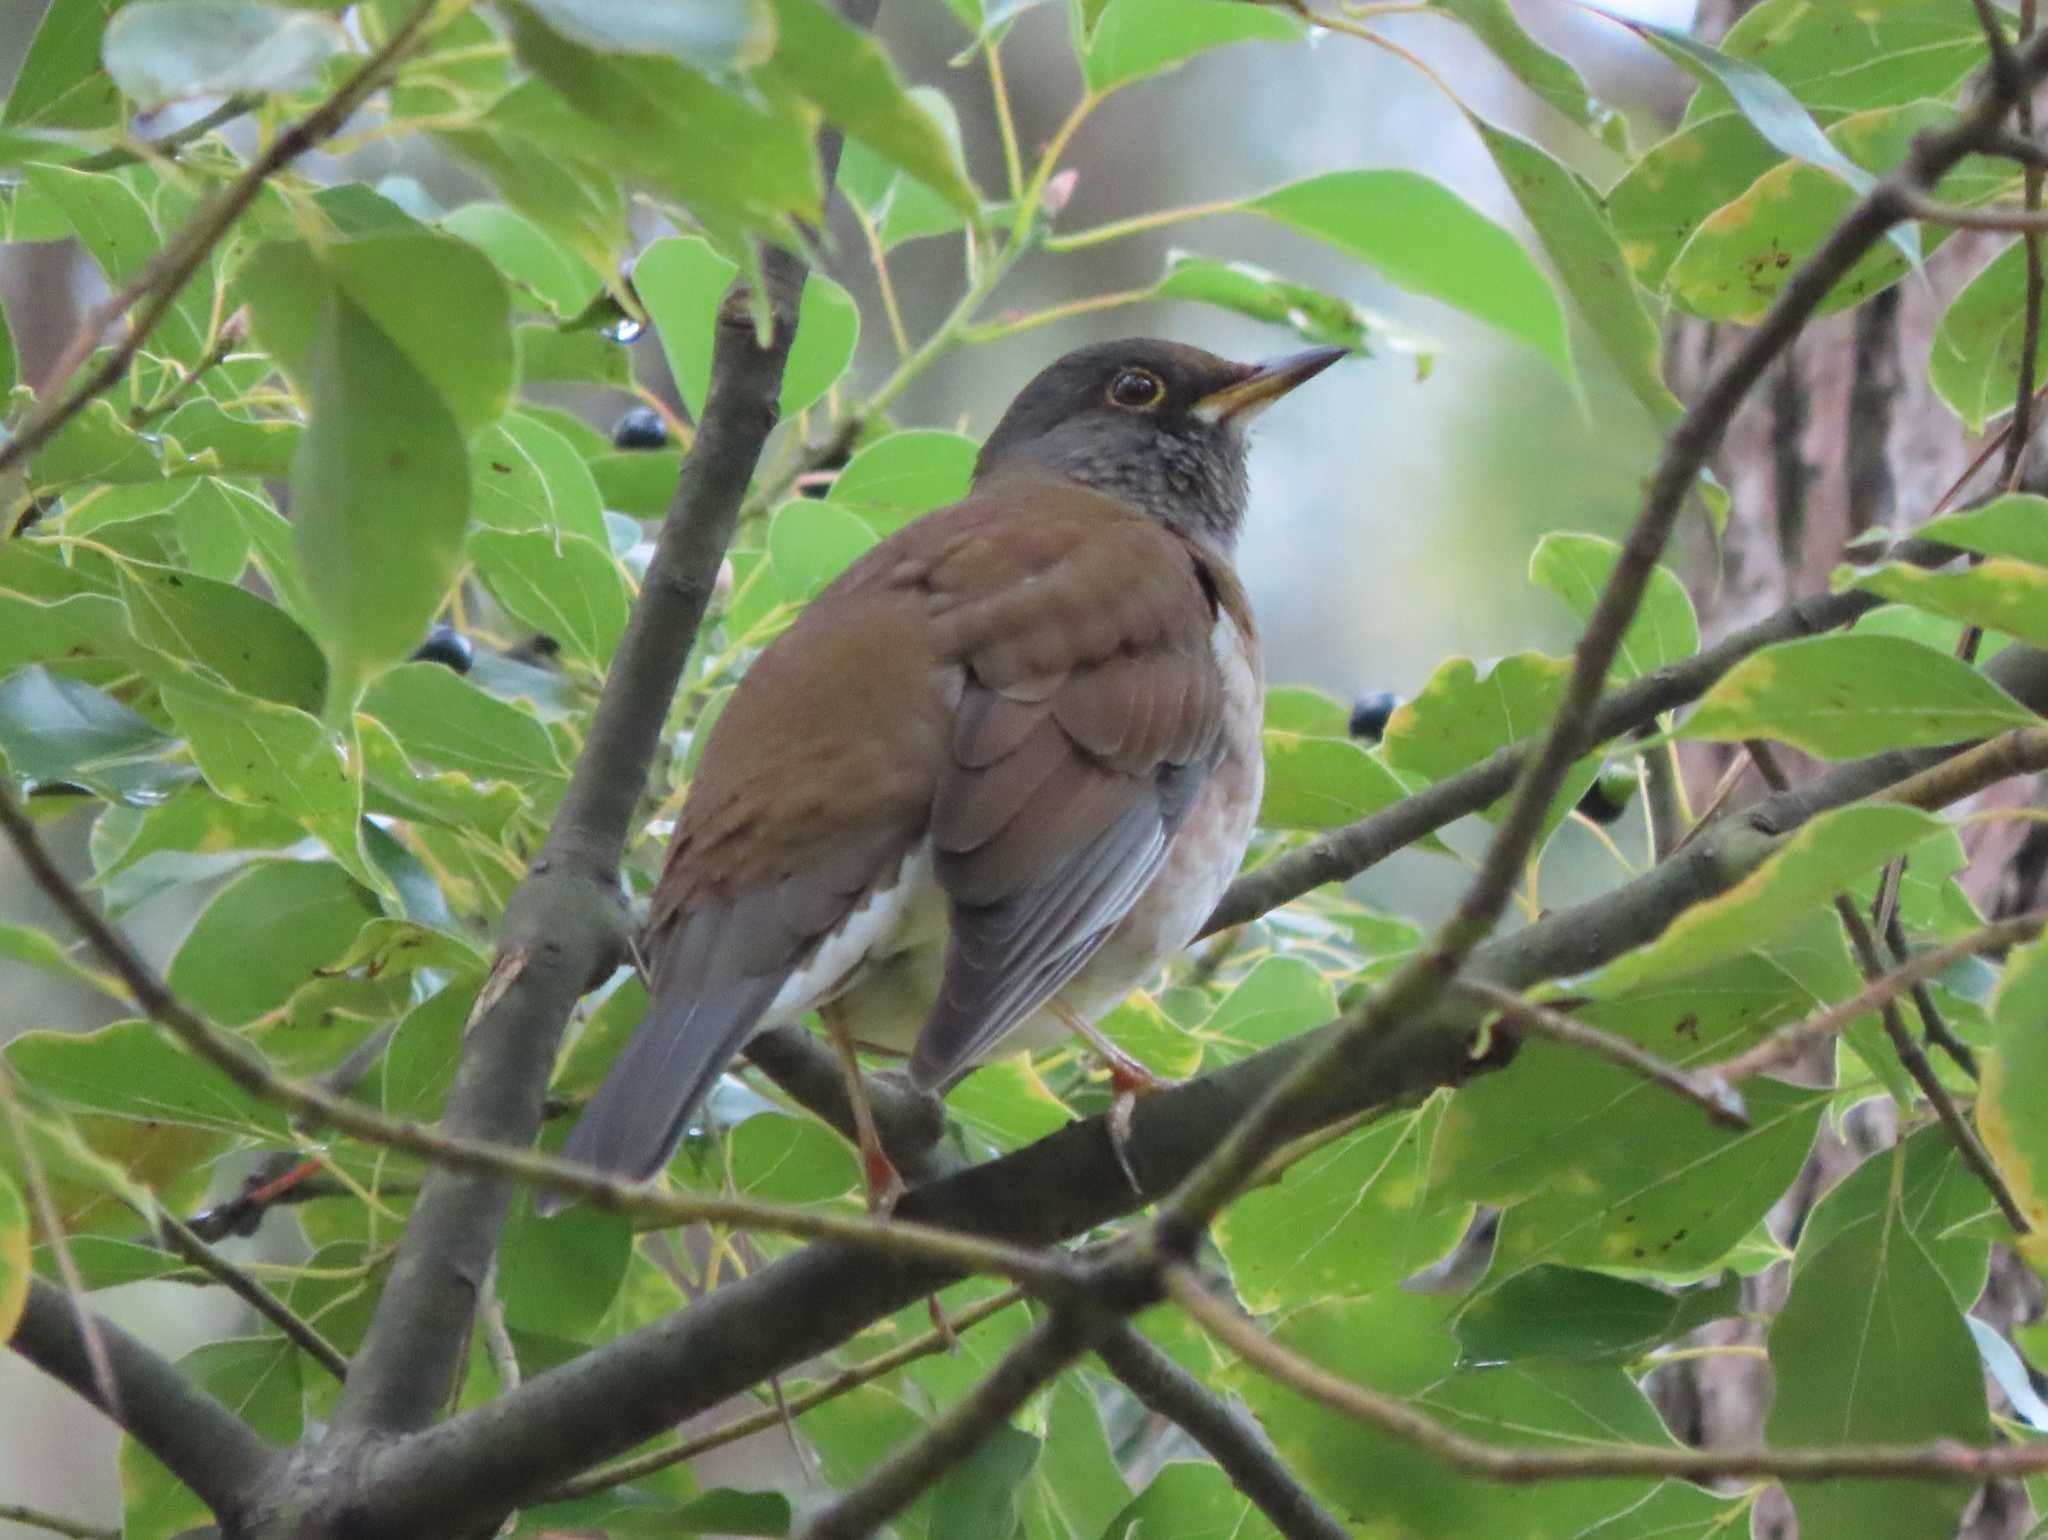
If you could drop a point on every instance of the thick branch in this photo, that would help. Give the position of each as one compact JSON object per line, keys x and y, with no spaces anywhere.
{"x":565,"y":925}
{"x":200,"y":1441}
{"x":1231,"y":1439}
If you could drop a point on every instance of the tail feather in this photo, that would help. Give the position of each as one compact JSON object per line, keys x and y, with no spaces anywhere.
{"x":636,"y":1120}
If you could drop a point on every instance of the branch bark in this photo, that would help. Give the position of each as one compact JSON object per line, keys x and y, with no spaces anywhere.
{"x":199,"y":1440}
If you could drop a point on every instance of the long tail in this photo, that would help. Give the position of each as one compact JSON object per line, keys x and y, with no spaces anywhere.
{"x":636,"y":1120}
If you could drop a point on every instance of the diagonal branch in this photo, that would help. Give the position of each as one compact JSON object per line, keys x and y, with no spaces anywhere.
{"x":199,"y":1440}
{"x":1236,"y":1443}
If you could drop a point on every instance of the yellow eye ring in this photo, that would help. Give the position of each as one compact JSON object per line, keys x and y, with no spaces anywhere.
{"x":1136,"y":389}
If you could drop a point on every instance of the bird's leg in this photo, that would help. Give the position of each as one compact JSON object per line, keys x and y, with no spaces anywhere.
{"x":1127,"y":1078}
{"x":884,"y":1182}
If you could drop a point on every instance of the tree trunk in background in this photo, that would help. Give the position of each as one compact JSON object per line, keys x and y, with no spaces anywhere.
{"x":1844,"y":436}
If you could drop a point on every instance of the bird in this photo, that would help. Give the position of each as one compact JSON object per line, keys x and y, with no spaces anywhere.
{"x":991,"y":776}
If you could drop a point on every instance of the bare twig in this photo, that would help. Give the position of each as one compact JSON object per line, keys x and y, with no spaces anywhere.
{"x":2022,"y":751}
{"x":302,"y":1333}
{"x":1933,"y":1025}
{"x":1233,"y":1440}
{"x":934,"y":1341}
{"x":897,"y":1481}
{"x":16,"y":1513}
{"x":1788,"y":1043}
{"x":156,"y":288}
{"x":1941,"y":1461}
{"x":1719,"y":1100}
{"x":167,"y":146}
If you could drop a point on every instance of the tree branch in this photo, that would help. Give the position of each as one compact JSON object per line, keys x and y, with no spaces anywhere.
{"x":157,"y":286}
{"x":56,"y":1524}
{"x":199,"y":1440}
{"x":302,"y":1333}
{"x":565,"y":925}
{"x":1234,"y":1441}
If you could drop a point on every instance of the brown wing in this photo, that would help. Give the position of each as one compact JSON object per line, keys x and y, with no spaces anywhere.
{"x":816,"y":782}
{"x":1090,"y":715}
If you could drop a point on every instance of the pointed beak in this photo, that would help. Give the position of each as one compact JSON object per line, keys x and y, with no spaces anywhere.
{"x":1239,"y":403}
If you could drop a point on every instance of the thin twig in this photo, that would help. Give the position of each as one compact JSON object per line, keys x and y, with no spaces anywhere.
{"x":1041,"y":1270}
{"x":158,"y":285}
{"x":77,"y":1529}
{"x":1713,"y":1095}
{"x":498,"y":1336}
{"x":1788,"y":1043}
{"x":2021,"y":751}
{"x":935,"y":1341}
{"x":302,"y":1333}
{"x":1934,"y":1026}
{"x":167,"y":147}
{"x":53,"y":1231}
{"x":896,"y":1483}
{"x":1665,"y":798}
{"x":1941,"y":1461}
{"x":1233,"y":1440}
{"x":226,"y":342}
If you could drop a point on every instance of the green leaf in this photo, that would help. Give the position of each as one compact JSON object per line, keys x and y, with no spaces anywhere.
{"x":1322,"y":783}
{"x":900,"y":475}
{"x":1904,"y":50}
{"x":847,"y":74}
{"x":1549,"y":75}
{"x":1132,"y":39}
{"x":433,"y":299}
{"x":115,"y":225}
{"x":271,"y":756}
{"x":1975,"y":363}
{"x":559,"y":1275}
{"x":1669,"y":192}
{"x":565,"y":585}
{"x":1582,"y":247}
{"x":380,"y":497}
{"x":1191,"y":1501}
{"x":38,"y":949}
{"x":2015,"y":524}
{"x":1247,"y":289}
{"x":1076,"y":1487}
{"x":441,"y":718}
{"x":716,"y":36}
{"x":1870,"y":1348}
{"x":1601,"y":1168}
{"x":1576,"y":567}
{"x":1396,"y":1343}
{"x":1821,"y":859}
{"x":578,"y":202}
{"x":1295,"y":708}
{"x":96,"y":445}
{"x":1940,"y":1202}
{"x":1427,"y":239}
{"x":56,"y":730}
{"x":131,"y":1070}
{"x":2015,"y":1077}
{"x":528,"y":477}
{"x":1999,"y":594}
{"x":827,"y":331}
{"x":811,"y":542}
{"x":1843,"y":696}
{"x":1280,"y":998}
{"x":1566,"y":1312}
{"x":649,"y":118}
{"x":166,"y":50}
{"x":560,"y":279}
{"x":682,"y":280}
{"x":253,"y":646}
{"x":60,"y":84}
{"x":266,"y":933}
{"x":14,"y":1256}
{"x":1461,"y":717}
{"x":777,"y":1159}
{"x":977,"y":1497}
{"x":640,"y":483}
{"x":1356,"y":1216}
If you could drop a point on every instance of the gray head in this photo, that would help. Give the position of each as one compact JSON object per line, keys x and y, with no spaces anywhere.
{"x":1158,"y":424}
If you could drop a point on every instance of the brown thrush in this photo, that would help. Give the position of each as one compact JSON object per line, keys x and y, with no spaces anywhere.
{"x":993,"y":774}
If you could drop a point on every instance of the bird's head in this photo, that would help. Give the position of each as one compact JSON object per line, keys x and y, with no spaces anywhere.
{"x":1157,"y":424}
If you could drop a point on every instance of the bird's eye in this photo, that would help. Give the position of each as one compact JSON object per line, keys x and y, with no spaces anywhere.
{"x":1136,"y":389}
